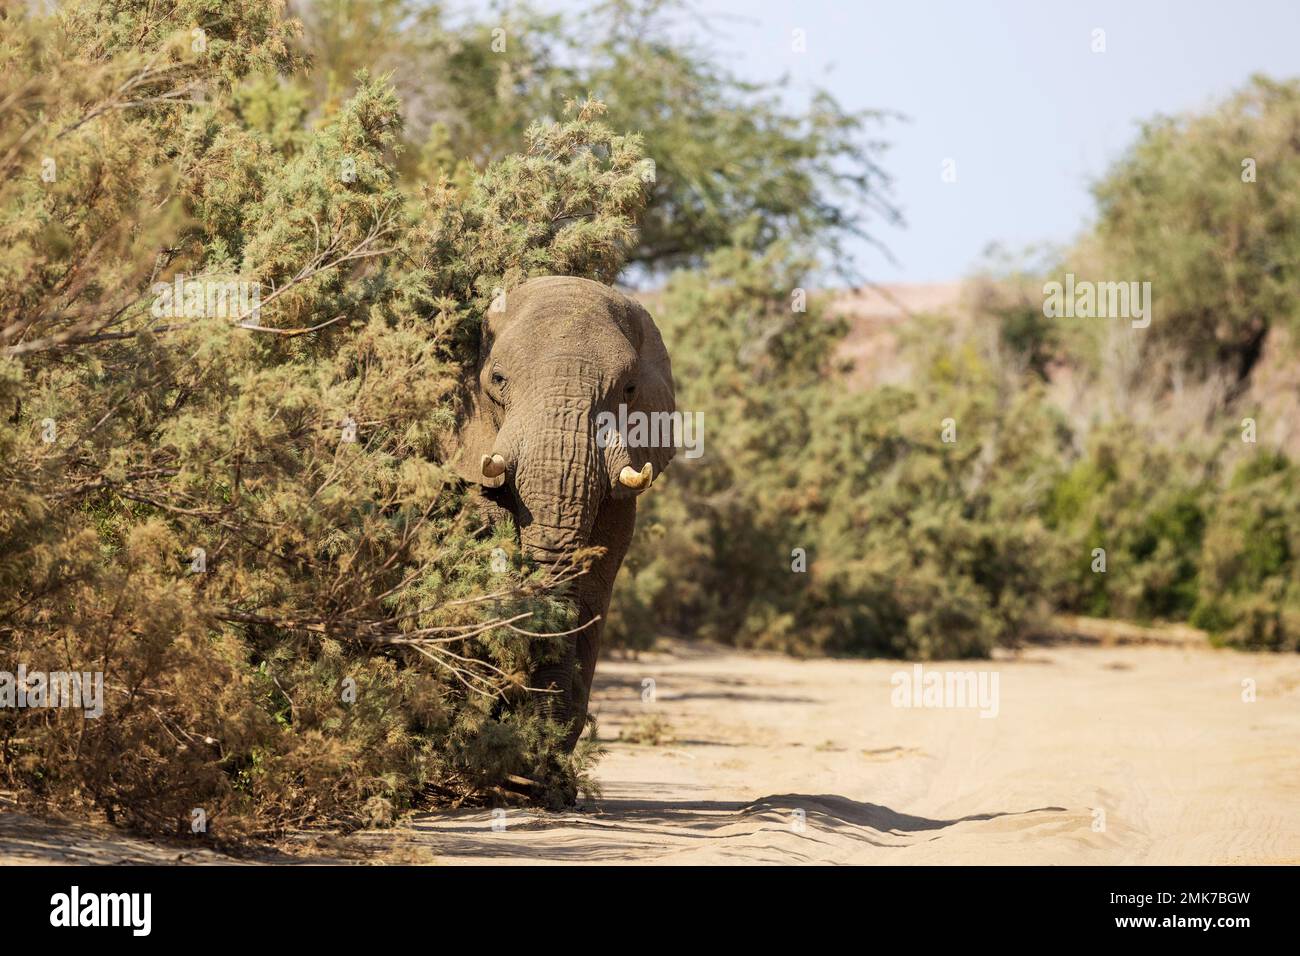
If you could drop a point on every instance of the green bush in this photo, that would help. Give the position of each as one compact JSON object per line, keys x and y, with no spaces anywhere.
{"x":334,"y":656}
{"x":1249,"y":585}
{"x":914,"y":547}
{"x":1146,"y":507}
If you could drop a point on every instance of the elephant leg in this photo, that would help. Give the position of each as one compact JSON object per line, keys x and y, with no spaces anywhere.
{"x":555,"y":679}
{"x":584,"y":647}
{"x":568,"y":680}
{"x":613,"y":532}
{"x":571,"y":677}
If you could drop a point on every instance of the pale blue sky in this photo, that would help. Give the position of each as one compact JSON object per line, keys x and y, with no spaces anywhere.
{"x":1011,"y":91}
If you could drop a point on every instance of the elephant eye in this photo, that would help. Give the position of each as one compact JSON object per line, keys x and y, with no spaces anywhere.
{"x":629,"y":391}
{"x":496,"y":390}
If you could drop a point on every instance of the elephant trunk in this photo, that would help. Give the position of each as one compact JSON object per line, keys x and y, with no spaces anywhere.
{"x":559,"y":483}
{"x":559,"y":478}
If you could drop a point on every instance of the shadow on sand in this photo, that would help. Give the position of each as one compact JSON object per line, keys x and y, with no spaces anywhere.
{"x":647,"y":830}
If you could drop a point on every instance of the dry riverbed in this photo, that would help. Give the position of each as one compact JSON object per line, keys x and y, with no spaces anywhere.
{"x":1096,"y":755}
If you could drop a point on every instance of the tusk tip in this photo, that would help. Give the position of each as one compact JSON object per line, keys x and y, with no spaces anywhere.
{"x":494,"y":466}
{"x":629,"y":477}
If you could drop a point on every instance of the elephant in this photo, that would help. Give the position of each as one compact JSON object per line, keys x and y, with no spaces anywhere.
{"x":559,"y":353}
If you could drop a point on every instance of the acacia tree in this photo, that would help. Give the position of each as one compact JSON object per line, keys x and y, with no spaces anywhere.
{"x":732,"y":161}
{"x":1204,"y":206}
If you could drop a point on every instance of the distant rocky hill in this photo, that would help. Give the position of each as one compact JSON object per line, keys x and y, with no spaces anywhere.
{"x":877,"y":313}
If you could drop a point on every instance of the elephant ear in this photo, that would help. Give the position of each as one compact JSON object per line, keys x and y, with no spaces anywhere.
{"x":654,"y":392}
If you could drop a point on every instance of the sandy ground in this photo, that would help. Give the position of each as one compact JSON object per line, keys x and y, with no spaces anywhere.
{"x":1097,"y":755}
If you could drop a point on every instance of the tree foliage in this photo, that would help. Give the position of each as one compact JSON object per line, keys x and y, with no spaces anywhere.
{"x":726,"y":157}
{"x":242,"y":520}
{"x":1094,"y":468}
{"x":1206,"y":207}
{"x":912,"y":546}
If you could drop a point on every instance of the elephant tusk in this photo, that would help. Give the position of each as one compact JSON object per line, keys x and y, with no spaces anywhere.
{"x":629,"y":477}
{"x":494,"y":466}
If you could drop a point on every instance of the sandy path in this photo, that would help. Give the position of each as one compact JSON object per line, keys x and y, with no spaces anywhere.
{"x":782,"y":761}
{"x":1158,"y":739}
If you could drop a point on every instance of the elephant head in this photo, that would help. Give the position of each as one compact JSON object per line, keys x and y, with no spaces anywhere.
{"x":561,"y":352}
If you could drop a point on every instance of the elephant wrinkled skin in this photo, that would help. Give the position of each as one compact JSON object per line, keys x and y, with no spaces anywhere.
{"x":559,"y":353}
